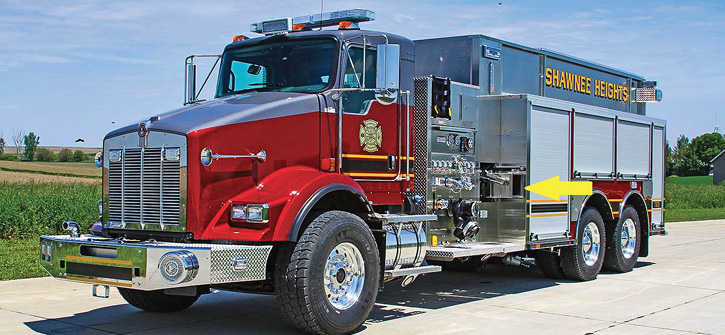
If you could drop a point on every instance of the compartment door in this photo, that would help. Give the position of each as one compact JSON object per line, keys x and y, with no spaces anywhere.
{"x":549,"y":157}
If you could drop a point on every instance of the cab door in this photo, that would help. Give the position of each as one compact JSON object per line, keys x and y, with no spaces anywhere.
{"x":371,"y":123}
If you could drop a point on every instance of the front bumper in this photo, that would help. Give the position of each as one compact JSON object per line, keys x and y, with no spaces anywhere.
{"x":136,"y":264}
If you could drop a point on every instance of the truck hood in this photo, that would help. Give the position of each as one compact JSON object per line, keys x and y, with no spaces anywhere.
{"x":228,"y":110}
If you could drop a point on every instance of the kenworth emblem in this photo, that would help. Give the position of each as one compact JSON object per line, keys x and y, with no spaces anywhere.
{"x":142,"y":131}
{"x":371,"y":135}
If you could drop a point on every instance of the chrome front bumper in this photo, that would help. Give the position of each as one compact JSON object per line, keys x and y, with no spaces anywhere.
{"x":137,"y":264}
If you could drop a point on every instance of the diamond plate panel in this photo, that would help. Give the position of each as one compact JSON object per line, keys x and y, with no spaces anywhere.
{"x":450,"y":252}
{"x":222,"y":263}
{"x":420,"y":140}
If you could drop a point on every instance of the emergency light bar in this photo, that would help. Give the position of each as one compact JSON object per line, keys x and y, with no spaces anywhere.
{"x":285,"y":25}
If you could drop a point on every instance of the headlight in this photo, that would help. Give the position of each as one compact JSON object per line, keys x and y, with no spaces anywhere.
{"x":115,"y":156}
{"x":254,"y":213}
{"x":98,"y":158}
{"x":258,"y":213}
{"x":239,"y":212}
{"x":178,"y":266}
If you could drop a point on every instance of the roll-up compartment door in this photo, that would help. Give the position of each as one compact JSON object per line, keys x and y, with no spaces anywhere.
{"x":593,"y":146}
{"x":549,"y":157}
{"x":658,"y":174}
{"x":633,"y":149}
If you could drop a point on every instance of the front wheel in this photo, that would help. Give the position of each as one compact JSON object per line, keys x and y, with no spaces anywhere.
{"x":584,"y":261}
{"x":328,"y":282}
{"x":623,"y":242}
{"x":157,"y":301}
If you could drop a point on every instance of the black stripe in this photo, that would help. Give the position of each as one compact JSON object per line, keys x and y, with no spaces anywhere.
{"x":544,"y":208}
{"x":102,"y":271}
{"x":359,"y":165}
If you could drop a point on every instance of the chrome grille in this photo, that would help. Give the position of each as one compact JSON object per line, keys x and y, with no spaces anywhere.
{"x":144,"y":189}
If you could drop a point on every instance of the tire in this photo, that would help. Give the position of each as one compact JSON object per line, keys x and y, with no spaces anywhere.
{"x":550,"y":264}
{"x":338,"y":243}
{"x":583,"y":261}
{"x":464,"y":264}
{"x":157,"y":301}
{"x":623,"y":242}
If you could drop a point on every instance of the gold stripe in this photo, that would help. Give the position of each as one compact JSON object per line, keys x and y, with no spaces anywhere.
{"x":616,"y":200}
{"x":360,"y":174}
{"x":615,"y":212}
{"x":98,"y":281}
{"x":371,"y":156}
{"x":656,"y":210}
{"x":98,"y":260}
{"x":657,"y":199}
{"x":551,"y":201}
{"x":546,"y":215}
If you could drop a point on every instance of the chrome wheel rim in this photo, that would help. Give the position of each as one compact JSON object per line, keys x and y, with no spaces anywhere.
{"x":628,"y":238}
{"x":591,"y":243}
{"x":344,"y":275}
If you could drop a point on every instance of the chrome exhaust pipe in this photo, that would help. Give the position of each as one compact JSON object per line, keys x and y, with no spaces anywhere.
{"x":72,"y":227}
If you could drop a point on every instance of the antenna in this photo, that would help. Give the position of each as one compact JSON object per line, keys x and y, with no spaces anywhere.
{"x":322,"y":6}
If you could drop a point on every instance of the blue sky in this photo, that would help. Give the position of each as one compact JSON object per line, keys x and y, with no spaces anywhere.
{"x":68,"y":69}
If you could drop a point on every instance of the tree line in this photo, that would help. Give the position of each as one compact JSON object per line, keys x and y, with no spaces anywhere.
{"x":692,"y":157}
{"x":26,"y":148}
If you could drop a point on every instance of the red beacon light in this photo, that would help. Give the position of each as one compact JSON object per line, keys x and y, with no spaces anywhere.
{"x":298,"y":27}
{"x":239,"y":38}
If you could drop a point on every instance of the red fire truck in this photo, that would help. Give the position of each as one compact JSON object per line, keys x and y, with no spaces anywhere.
{"x":332,"y":161}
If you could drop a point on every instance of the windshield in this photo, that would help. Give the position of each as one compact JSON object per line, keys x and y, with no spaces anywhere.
{"x":286,"y":66}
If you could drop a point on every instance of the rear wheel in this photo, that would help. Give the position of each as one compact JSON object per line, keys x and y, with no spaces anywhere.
{"x":550,"y":264}
{"x":328,"y":282}
{"x":584,"y":261}
{"x":623,"y":242}
{"x":157,"y":301}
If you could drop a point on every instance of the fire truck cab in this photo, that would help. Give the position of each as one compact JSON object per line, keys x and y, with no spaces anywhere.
{"x":332,"y":161}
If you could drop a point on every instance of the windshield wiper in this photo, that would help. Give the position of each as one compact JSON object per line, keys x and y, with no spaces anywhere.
{"x":275,"y":85}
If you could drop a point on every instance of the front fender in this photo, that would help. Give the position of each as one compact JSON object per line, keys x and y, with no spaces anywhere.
{"x":286,"y":191}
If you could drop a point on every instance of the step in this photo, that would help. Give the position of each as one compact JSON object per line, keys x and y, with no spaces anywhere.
{"x":450,"y":252}
{"x":412,"y":271}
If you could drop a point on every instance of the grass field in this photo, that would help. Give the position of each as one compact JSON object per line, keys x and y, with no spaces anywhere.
{"x":693,"y":198}
{"x":19,"y":259}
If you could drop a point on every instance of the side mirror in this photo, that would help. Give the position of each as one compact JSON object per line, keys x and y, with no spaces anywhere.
{"x":388,"y":67}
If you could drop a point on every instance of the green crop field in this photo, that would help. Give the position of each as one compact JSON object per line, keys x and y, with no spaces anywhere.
{"x":28,"y":210}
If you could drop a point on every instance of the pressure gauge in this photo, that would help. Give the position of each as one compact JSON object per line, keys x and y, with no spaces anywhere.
{"x":458,"y":140}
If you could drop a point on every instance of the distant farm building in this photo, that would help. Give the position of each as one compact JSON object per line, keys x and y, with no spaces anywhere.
{"x":718,"y":168}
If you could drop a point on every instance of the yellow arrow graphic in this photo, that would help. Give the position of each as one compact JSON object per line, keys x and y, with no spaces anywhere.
{"x":552,"y":188}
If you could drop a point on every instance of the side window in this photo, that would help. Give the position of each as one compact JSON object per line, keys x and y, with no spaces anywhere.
{"x":357,"y":102}
{"x":243,"y":75}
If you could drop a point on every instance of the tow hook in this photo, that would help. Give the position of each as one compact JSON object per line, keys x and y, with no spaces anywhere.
{"x":106,"y":291}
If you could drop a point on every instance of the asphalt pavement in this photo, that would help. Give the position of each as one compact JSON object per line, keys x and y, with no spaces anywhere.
{"x":678,"y":289}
